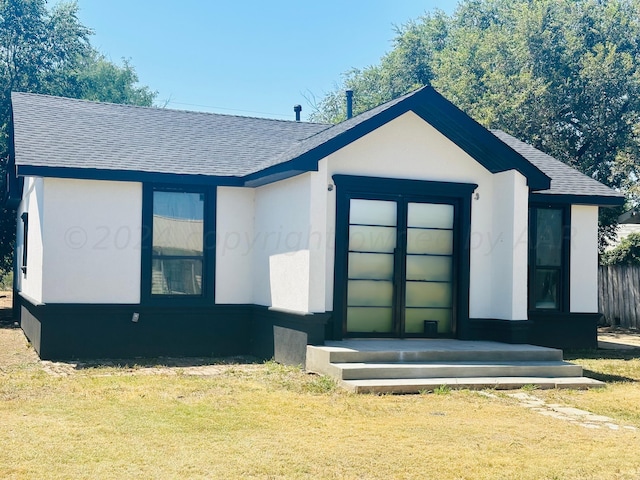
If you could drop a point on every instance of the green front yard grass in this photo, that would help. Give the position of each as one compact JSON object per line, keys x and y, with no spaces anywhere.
{"x":270,"y":422}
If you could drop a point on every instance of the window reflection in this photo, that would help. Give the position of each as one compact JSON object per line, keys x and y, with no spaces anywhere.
{"x":549,"y":237}
{"x":178,"y":243}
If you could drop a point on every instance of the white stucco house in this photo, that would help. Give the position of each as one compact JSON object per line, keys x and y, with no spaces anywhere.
{"x":145,"y":231}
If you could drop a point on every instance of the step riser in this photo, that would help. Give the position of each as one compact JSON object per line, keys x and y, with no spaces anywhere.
{"x":425,"y":385}
{"x":409,"y":389}
{"x":457,"y":371}
{"x":444,"y":356}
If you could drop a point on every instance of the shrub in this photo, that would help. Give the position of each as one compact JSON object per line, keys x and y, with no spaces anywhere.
{"x":626,"y":253}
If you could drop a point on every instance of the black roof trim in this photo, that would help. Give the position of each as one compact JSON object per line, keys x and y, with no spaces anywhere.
{"x":275,"y":176}
{"x":595,"y":200}
{"x":478,"y":142}
{"x":126,"y":176}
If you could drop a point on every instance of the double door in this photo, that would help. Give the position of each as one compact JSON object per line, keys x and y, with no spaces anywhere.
{"x":401,"y":267}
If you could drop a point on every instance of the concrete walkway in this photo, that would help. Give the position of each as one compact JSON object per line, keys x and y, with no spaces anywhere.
{"x":618,"y":340}
{"x":577,"y":416}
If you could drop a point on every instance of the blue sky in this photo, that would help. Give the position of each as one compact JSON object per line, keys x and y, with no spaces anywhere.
{"x":256,"y":58}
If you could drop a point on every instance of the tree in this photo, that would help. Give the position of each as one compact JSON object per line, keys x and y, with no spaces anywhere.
{"x":48,"y":51}
{"x":563,"y":75}
{"x":627,"y":252}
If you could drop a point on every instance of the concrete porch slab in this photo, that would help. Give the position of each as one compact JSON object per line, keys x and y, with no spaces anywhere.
{"x":433,"y":344}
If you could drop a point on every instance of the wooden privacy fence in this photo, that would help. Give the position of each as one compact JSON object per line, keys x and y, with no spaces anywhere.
{"x":619,"y":294}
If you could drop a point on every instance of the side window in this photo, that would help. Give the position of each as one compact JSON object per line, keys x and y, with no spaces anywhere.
{"x":25,"y":236}
{"x":177,"y":243}
{"x":547,"y":264}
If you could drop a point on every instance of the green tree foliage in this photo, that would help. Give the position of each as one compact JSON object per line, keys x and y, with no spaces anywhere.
{"x":48,"y":51}
{"x":627,"y":252}
{"x":563,"y":75}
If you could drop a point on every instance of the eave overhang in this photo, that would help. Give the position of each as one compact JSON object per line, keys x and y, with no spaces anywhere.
{"x":125,"y":175}
{"x":595,"y":200}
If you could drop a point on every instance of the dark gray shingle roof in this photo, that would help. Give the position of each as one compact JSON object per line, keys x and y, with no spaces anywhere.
{"x":62,"y":132}
{"x":76,"y":134}
{"x":565,"y":180}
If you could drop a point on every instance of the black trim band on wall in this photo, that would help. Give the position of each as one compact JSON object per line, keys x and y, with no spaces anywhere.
{"x":458,"y":194}
{"x":496,"y":330}
{"x":564,"y":330}
{"x":547,"y":329}
{"x":62,"y":331}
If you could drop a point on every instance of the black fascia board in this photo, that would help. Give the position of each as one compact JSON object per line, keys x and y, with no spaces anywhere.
{"x":595,"y":200}
{"x":13,"y":186}
{"x":488,"y":150}
{"x":275,"y":176}
{"x":126,"y":175}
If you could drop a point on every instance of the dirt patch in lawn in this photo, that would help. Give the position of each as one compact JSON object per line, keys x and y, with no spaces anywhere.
{"x":15,"y":351}
{"x":199,"y":366}
{"x":616,"y":338}
{"x":6,"y":313}
{"x":5,"y":300}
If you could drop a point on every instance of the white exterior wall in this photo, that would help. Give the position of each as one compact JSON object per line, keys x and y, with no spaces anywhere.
{"x":408,"y":147}
{"x":583,"y":293}
{"x":282,"y":237}
{"x":235,"y":238}
{"x":509,"y":240}
{"x":321,"y":243}
{"x":92,"y":234}
{"x":32,"y":203}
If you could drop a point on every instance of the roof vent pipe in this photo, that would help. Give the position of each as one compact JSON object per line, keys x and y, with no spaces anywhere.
{"x":349,"y":94}
{"x":297,"y":109}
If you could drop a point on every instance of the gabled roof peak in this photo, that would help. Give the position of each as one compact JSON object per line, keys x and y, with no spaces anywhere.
{"x":432,"y":107}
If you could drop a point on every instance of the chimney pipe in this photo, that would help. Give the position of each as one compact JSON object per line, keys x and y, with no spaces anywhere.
{"x":349,"y":94}
{"x":297,"y":109}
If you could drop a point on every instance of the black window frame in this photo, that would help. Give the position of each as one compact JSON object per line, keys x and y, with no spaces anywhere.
{"x":207,"y":296}
{"x":565,"y":257}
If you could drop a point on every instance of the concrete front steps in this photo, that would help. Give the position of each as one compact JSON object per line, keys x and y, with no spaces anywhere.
{"x":411,"y":366}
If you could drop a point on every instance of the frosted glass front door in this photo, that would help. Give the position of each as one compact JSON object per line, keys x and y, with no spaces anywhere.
{"x":372,"y":242}
{"x":400,"y":267}
{"x":429,"y":267}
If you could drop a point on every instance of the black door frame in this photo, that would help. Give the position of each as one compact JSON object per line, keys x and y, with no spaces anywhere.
{"x":457,"y":194}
